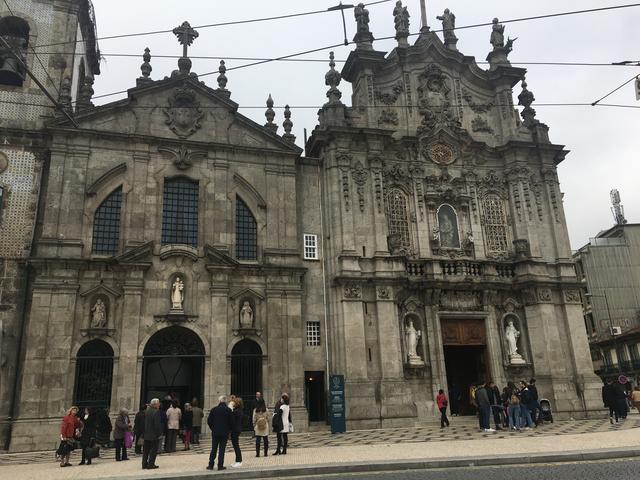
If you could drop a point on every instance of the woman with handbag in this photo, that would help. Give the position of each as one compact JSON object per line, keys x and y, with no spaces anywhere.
{"x":261,"y":427}
{"x":123,"y":427}
{"x":284,"y":424}
{"x":187,"y":425}
{"x":69,"y":430}
{"x":88,"y":435}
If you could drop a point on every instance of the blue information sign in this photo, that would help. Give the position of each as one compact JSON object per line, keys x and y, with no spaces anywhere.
{"x":336,"y":404}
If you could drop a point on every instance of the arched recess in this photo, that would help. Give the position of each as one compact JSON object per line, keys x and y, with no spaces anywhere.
{"x":522,"y":340}
{"x":94,"y":375}
{"x":16,"y":32}
{"x":173,"y":364}
{"x":448,"y":226}
{"x":246,"y":373}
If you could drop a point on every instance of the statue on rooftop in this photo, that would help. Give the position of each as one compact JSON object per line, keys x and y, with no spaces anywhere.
{"x":362,"y":18}
{"x":497,"y":35}
{"x":401,"y":20}
{"x":448,"y":26}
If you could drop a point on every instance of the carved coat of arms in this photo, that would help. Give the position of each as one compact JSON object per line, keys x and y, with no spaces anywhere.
{"x":184,"y":113}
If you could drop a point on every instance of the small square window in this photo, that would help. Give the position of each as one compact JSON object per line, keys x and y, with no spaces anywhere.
{"x":313,"y":334}
{"x":310,"y":247}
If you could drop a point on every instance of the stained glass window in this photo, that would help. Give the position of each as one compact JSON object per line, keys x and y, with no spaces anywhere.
{"x":180,"y":212}
{"x":495,"y":224}
{"x":398,"y":216}
{"x":106,"y":225}
{"x":246,"y":232}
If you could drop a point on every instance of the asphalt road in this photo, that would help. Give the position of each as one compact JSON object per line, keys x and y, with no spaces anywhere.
{"x":608,"y":469}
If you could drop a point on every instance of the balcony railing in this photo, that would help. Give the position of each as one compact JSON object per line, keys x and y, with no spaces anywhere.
{"x":619,"y":368}
{"x":460,"y":268}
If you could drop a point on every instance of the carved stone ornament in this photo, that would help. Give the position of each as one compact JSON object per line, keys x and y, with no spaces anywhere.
{"x":183,"y":157}
{"x":388,"y":117}
{"x":544,"y":295}
{"x":460,"y":300}
{"x":439,"y":153}
{"x":184,"y":113}
{"x":352,"y":291}
{"x":572,"y":296}
{"x":384,"y":293}
{"x":246,"y":315}
{"x":99,"y":317}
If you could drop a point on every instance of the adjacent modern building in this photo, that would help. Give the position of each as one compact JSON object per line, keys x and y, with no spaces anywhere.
{"x":183,"y":249}
{"x":609,"y":268}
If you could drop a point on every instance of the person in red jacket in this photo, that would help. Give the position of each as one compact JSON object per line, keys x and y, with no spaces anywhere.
{"x":443,"y":403}
{"x":69,"y":429}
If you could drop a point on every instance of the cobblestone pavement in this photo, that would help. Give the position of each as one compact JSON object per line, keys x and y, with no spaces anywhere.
{"x":465,"y":429}
{"x":319,"y":450}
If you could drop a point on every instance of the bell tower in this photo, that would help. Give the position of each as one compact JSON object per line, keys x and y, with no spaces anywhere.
{"x":48,"y":50}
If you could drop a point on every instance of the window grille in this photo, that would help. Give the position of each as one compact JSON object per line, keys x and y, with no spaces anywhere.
{"x":180,"y":212}
{"x":313,"y":334}
{"x":310,"y":247}
{"x":398,"y":216}
{"x":495,"y":224}
{"x":106,"y":225}
{"x":246,"y":232}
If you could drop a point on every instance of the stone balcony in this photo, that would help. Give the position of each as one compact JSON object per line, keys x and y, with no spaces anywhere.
{"x":460,"y":270}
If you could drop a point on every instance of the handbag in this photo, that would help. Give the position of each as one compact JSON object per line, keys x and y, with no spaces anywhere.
{"x":92,"y":452}
{"x":140,"y":441}
{"x":128,"y":439}
{"x":291,"y":428}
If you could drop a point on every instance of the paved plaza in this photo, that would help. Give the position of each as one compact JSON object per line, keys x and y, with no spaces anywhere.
{"x":322,"y":448}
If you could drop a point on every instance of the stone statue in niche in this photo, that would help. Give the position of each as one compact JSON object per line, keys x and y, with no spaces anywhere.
{"x":246,"y":315}
{"x":512,"y":334}
{"x":411,"y":337}
{"x":448,"y":227}
{"x":99,"y":315}
{"x":177,"y":294}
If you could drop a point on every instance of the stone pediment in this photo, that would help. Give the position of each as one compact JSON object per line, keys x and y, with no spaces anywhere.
{"x":101,"y":288}
{"x":219,"y":257}
{"x":181,"y":109}
{"x":140,"y":254}
{"x":246,"y":292}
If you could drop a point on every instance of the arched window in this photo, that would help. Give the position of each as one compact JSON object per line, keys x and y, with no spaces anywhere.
{"x":398,"y":218}
{"x":94,"y":372}
{"x":448,"y":227}
{"x":106,"y":225}
{"x":246,"y":232}
{"x":495,"y":224}
{"x":15,"y":32}
{"x":180,"y":212}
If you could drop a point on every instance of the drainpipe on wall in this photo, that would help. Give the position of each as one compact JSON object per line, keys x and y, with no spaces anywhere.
{"x":324,"y":282}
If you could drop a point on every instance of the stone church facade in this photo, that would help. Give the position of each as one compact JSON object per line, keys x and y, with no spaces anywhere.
{"x":183,"y":249}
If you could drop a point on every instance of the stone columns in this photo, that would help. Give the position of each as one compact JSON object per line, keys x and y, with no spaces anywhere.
{"x":494,"y":348}
{"x":217,"y":381}
{"x":388,"y":335}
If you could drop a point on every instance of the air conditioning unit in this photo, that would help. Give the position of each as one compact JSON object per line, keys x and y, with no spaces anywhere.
{"x":616,"y":331}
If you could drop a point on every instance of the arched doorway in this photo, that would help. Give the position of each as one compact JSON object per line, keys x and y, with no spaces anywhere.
{"x":94,"y":374}
{"x":173,"y":364}
{"x":246,"y":374}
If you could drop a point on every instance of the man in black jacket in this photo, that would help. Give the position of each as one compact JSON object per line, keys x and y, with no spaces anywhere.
{"x":138,"y":428}
{"x":152,"y":432}
{"x":535,"y":409}
{"x":220,"y":422}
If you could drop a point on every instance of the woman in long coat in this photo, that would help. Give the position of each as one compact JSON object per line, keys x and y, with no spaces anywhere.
{"x":69,"y":430}
{"x":123,"y":425}
{"x":284,"y":425}
{"x":88,"y":435}
{"x":261,"y":427}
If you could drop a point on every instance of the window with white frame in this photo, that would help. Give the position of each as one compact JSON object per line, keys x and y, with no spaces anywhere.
{"x":310,"y":246}
{"x":313,"y":334}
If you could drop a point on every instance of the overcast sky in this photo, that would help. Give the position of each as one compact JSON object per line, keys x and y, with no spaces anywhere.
{"x":603,"y":141}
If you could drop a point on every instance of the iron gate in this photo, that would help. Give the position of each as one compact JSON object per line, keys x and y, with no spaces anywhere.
{"x":94,"y":374}
{"x":246,"y":375}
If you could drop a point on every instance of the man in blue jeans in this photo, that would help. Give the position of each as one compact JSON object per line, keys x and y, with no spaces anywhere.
{"x":484,"y":407}
{"x":220,"y":421}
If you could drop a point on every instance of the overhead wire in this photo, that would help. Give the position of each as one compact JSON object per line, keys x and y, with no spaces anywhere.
{"x":615,"y":90}
{"x":337,"y":45}
{"x":221,"y":24}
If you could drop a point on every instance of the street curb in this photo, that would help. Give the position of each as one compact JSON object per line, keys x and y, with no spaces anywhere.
{"x":395,"y":465}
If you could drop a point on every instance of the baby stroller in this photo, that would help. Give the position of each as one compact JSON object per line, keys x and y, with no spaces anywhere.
{"x":546,"y":414}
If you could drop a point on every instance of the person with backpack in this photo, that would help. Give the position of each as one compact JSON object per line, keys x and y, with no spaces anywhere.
{"x":261,"y":427}
{"x":513,"y":406}
{"x":443,"y":403}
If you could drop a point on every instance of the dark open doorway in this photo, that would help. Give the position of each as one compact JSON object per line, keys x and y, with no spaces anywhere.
{"x":246,"y":375}
{"x":315,"y":396}
{"x":466,"y":367}
{"x":173,"y":365}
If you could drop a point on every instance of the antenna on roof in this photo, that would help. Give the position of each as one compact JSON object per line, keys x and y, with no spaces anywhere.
{"x":617,"y":209}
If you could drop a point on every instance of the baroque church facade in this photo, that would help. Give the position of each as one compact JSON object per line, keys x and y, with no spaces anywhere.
{"x":419,"y":243}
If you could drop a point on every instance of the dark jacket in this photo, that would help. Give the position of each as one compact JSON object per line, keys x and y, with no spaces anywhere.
{"x":534,"y":393}
{"x":525,"y":396}
{"x":88,"y":429}
{"x":187,"y":419}
{"x":122,"y":425}
{"x":237,"y":420}
{"x":138,"y":423}
{"x":103,"y":422}
{"x":153,"y":428}
{"x":482,"y":397}
{"x":494,"y":395}
{"x":608,"y":395}
{"x":220,"y":420}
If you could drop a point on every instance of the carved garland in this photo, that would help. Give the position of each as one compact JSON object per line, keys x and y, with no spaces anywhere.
{"x":360,"y":174}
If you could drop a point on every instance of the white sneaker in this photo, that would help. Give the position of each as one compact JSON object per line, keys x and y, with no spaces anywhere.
{"x":236,"y":465}
{"x":489,"y":430}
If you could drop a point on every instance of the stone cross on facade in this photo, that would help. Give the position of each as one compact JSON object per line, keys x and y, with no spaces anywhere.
{"x":186,"y":35}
